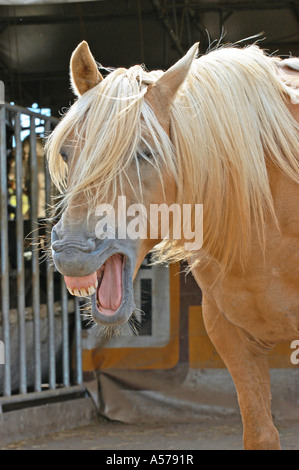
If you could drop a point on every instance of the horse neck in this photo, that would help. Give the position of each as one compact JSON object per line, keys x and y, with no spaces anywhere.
{"x":285,"y":193}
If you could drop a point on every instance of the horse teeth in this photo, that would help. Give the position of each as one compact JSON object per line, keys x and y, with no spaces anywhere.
{"x":83,"y":292}
{"x":91,"y":290}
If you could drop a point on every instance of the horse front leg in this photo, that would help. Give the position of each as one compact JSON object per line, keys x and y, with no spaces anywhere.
{"x":250,"y":372}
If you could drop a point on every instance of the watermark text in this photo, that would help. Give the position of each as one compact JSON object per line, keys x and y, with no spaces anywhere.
{"x":295,"y":353}
{"x":158,"y":221}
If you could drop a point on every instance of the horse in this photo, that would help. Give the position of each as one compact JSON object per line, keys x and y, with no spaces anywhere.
{"x":219,"y":130}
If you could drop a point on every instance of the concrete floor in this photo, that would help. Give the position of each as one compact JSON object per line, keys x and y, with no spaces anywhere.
{"x":223,"y":434}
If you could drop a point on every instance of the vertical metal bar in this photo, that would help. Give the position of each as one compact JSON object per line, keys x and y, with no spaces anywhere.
{"x":65,"y":335}
{"x":164,"y":19}
{"x":4,"y":254}
{"x":181,"y":30}
{"x":175,"y":20}
{"x":34,"y":192}
{"x":20,"y":254}
{"x":78,"y":343}
{"x":188,"y":27}
{"x":50,"y":280}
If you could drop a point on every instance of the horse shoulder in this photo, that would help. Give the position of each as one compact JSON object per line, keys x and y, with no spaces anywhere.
{"x":263,"y":300}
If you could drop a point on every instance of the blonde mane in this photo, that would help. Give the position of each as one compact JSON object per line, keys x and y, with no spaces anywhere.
{"x":228,"y":121}
{"x":104,"y":127}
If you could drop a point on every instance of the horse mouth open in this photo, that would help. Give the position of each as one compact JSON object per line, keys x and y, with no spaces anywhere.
{"x":106,"y":286}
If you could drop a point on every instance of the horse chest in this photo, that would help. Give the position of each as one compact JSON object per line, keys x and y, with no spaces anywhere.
{"x":264,"y":301}
{"x":266,"y":308}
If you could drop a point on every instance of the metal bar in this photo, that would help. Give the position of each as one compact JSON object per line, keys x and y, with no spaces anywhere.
{"x":34,"y":191}
{"x":189,"y":35}
{"x":78,"y":343}
{"x":181,"y":30}
{"x":295,"y":9}
{"x":175,"y":20}
{"x":50,"y":280}
{"x":163,"y":18}
{"x":20,"y":254}
{"x":65,"y":335}
{"x":4,"y":255}
{"x":69,"y":18}
{"x":26,"y":111}
{"x":204,"y":40}
{"x":46,"y":394}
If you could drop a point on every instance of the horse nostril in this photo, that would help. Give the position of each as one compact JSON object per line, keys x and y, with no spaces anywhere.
{"x":54,"y":235}
{"x":56,"y":246}
{"x":87,"y":246}
{"x":67,"y":239}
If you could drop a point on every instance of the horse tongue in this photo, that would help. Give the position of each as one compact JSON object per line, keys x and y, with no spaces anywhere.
{"x":110,"y":292}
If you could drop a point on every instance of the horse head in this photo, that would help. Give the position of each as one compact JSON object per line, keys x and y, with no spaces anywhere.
{"x":113,"y":157}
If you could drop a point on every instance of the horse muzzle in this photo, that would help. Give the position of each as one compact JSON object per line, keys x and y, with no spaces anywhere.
{"x":101,"y":269}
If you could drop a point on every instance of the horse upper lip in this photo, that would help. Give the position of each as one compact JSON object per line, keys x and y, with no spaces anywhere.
{"x":59,"y":246}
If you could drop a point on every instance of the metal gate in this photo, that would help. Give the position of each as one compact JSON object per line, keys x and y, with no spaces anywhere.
{"x":40,"y":326}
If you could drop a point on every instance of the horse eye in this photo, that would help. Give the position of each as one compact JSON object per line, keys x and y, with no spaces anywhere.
{"x":64,"y":156}
{"x":147,"y":155}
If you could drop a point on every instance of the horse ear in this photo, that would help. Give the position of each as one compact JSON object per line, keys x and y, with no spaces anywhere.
{"x":169,"y":83}
{"x":84,"y":72}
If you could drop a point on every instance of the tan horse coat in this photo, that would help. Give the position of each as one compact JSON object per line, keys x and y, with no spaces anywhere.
{"x":245,"y":312}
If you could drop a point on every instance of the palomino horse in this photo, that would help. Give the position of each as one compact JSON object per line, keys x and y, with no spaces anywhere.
{"x":221,"y":131}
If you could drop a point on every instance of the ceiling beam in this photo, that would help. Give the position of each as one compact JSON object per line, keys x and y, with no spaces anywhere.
{"x":69,"y":18}
{"x":236,"y":5}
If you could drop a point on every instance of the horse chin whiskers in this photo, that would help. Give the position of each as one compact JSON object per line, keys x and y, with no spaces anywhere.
{"x":110,"y":331}
{"x":113,"y":331}
{"x":105,"y":331}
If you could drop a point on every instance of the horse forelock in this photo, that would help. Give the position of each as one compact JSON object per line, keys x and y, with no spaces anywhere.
{"x":107,"y":129}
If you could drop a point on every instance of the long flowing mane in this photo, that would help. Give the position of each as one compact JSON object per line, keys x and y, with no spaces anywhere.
{"x":105,"y":128}
{"x":228,"y":121}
